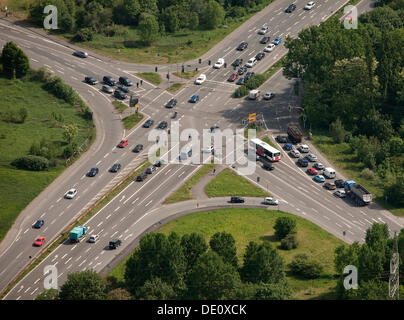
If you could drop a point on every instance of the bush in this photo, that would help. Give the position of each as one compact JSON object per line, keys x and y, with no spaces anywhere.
{"x":33,"y":163}
{"x":337,"y":131}
{"x":255,"y":81}
{"x":303,"y":266}
{"x":237,"y":12}
{"x":367,"y":174}
{"x":289,"y":242}
{"x":241,"y":92}
{"x":85,"y":34}
{"x":284,"y":226}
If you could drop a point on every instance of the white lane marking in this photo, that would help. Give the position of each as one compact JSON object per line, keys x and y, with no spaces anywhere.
{"x":73,"y":247}
{"x":148,"y":203}
{"x":338,"y":224}
{"x":64,"y":256}
{"x":99,"y":224}
{"x":26,"y":231}
{"x":326,"y":217}
{"x":36,"y":281}
{"x":108,"y":216}
{"x":60,"y":275}
{"x":77,"y":259}
{"x":106,"y":155}
{"x":117,"y":209}
{"x":27,"y":290}
{"x":19,"y":255}
{"x":82,"y":262}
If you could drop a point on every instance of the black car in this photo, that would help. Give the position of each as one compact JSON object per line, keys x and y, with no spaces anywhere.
{"x":150,"y":169}
{"x":162,"y":125}
{"x":138,"y":148}
{"x":81,"y":54}
{"x":108,"y":80}
{"x":237,"y":62}
{"x":260,"y":55}
{"x":303,"y":162}
{"x":329,"y":186}
{"x":171,"y":103}
{"x":267,"y":165}
{"x":291,"y":8}
{"x":93,"y":172}
{"x":339,"y":183}
{"x":90,"y":80}
{"x":123,"y":88}
{"x":242,"y":46}
{"x":115,"y":167}
{"x":157,"y":163}
{"x":248,"y":75}
{"x":213,"y":128}
{"x":141,"y":176}
{"x":237,"y":200}
{"x":264,"y":40}
{"x":113,"y":244}
{"x":119,"y":94}
{"x":125,"y":81}
{"x":242,"y":70}
{"x":148,"y":123}
{"x":39,"y":223}
{"x":282,"y":139}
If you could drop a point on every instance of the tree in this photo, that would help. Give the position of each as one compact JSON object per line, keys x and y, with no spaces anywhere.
{"x":15,"y":62}
{"x":193,"y":246}
{"x":130,"y":13}
{"x":284,"y":226}
{"x":212,"y":279}
{"x":148,"y":28}
{"x":225,"y":246}
{"x":262,"y":263}
{"x":48,"y":294}
{"x":70,"y":132}
{"x":86,"y":285}
{"x":21,"y":64}
{"x":157,"y":256}
{"x":377,"y":236}
{"x":303,"y":266}
{"x":337,"y":131}
{"x":289,"y":242}
{"x":395,"y":192}
{"x":213,"y":15}
{"x":119,"y":294}
{"x":273,"y":291}
{"x":193,"y":21}
{"x":156,"y":289}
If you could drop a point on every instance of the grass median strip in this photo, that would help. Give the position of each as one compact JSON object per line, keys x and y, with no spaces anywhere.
{"x":229,"y":183}
{"x":81,"y":221}
{"x":269,"y":141}
{"x":258,"y":225}
{"x":119,"y":106}
{"x":152,"y":77}
{"x":184,"y":192}
{"x":186,"y":75}
{"x":130,"y":121}
{"x":174,"y":87}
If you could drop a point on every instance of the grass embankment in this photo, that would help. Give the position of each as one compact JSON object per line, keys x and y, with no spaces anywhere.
{"x":229,"y":183}
{"x":175,"y":87}
{"x":269,"y":141}
{"x":186,"y":75}
{"x":119,"y":106}
{"x":130,"y":121}
{"x":151,"y":77}
{"x":258,"y":225}
{"x":184,"y":192}
{"x":19,"y":187}
{"x":339,"y":154}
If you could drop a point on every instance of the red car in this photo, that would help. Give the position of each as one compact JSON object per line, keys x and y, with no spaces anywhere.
{"x":233,"y":77}
{"x":312,"y":171}
{"x":39,"y":241}
{"x":123,"y":143}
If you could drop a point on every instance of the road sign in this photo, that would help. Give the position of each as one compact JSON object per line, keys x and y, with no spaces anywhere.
{"x":252,"y":117}
{"x":136,"y":106}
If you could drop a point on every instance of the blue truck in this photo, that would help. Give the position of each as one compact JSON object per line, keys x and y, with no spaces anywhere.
{"x":357,"y":193}
{"x":77,"y":233}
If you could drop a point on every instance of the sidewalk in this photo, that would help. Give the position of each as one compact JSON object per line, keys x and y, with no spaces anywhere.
{"x":198,"y":190}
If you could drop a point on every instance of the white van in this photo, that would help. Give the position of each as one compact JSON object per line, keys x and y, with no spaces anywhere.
{"x":185,"y":153}
{"x":254,"y":94}
{"x":329,"y":173}
{"x":304,"y":148}
{"x":251,"y":62}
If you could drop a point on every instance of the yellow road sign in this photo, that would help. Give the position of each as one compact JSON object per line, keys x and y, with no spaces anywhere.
{"x":252,"y":117}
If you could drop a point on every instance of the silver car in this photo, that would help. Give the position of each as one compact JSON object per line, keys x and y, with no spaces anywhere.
{"x":107,"y":89}
{"x":311,"y":157}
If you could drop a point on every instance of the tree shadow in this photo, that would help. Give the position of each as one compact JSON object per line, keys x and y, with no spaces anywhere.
{"x":270,"y":238}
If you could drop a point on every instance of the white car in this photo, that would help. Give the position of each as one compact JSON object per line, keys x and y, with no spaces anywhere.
{"x":93,"y":238}
{"x":219,"y":63}
{"x":71,"y":194}
{"x":269,"y":47}
{"x":270,"y":201}
{"x":340,"y":193}
{"x":201,"y":79}
{"x":263,"y":30}
{"x":251,"y":62}
{"x":208,"y":149}
{"x":295,"y":154}
{"x":311,"y":157}
{"x":304,"y":148}
{"x":268,"y":96}
{"x":309,"y":5}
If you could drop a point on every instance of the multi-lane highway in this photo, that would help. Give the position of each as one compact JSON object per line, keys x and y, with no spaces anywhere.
{"x":124,"y":216}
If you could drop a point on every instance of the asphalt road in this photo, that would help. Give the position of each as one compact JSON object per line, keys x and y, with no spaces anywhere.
{"x":124,"y":216}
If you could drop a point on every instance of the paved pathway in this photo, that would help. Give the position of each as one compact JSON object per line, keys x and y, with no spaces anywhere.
{"x":198,"y":190}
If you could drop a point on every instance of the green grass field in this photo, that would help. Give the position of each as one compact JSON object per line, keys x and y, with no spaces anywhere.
{"x":19,"y":187}
{"x":184,"y":192}
{"x":130,"y":121}
{"x":257,"y":225}
{"x":229,"y":183}
{"x":339,"y":155}
{"x":151,"y":77}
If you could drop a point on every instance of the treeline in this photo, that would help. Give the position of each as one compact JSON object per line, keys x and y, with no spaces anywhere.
{"x":353,"y":82}
{"x":43,"y":153}
{"x":84,"y":18}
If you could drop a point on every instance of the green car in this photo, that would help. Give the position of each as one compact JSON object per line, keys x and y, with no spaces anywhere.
{"x":123,"y":88}
{"x":240,"y":80}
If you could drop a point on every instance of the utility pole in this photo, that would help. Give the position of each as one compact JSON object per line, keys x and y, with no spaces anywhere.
{"x":394,"y":272}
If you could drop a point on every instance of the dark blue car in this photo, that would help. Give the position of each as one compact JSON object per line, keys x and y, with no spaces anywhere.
{"x":288,"y":147}
{"x":277,"y":40}
{"x":194,"y":98}
{"x":39,"y":223}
